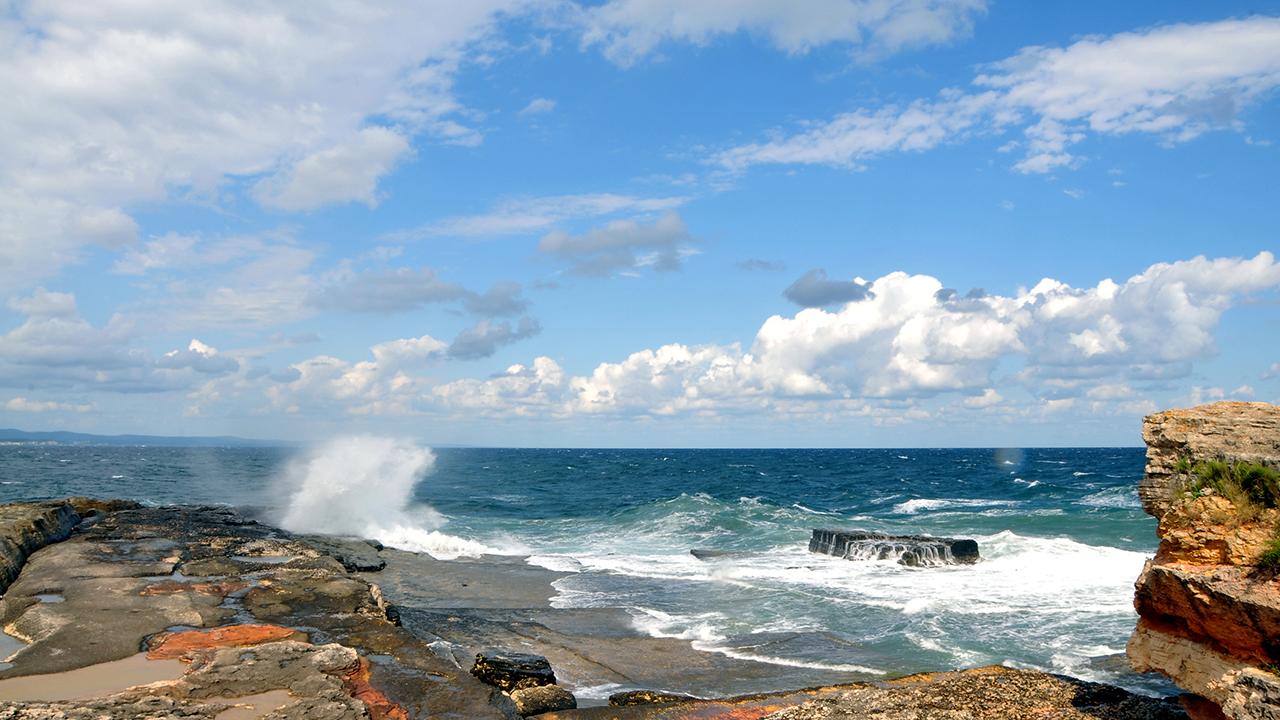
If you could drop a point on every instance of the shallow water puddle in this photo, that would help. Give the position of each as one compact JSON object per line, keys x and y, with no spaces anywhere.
{"x":93,"y":681}
{"x":9,"y":646}
{"x":251,"y":707}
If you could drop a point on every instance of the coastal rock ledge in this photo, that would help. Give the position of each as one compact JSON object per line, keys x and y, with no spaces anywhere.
{"x":1209,"y":602}
{"x":909,"y":550}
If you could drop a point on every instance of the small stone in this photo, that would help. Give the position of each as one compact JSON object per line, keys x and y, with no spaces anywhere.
{"x":543,"y":699}
{"x":507,"y":670}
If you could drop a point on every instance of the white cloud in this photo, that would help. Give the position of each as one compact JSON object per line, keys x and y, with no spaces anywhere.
{"x":21,"y":404}
{"x":199,"y":357}
{"x":115,"y":103}
{"x":538,"y":106}
{"x":1271,"y":372}
{"x":988,"y":398}
{"x":1175,"y":82}
{"x":629,"y":30}
{"x":485,"y":337}
{"x":622,"y":245}
{"x":907,"y":341}
{"x":346,"y":172}
{"x":527,"y":215}
{"x":43,"y":303}
{"x":384,"y":385}
{"x":910,"y":339}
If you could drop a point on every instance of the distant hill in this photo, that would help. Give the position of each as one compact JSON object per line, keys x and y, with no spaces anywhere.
{"x":74,"y":438}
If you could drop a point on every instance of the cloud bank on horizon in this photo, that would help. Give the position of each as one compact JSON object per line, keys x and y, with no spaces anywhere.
{"x":554,"y":223}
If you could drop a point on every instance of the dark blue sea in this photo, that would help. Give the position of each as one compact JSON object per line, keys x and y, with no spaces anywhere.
{"x":1061,"y":533}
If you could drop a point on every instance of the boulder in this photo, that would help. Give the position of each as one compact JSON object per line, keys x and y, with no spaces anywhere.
{"x":543,"y":699}
{"x":910,"y":550}
{"x":509,"y":670}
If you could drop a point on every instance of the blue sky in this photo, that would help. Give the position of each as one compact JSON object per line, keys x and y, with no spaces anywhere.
{"x":638,"y":222}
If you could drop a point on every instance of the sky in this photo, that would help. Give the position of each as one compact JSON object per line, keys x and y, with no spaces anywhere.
{"x":653,"y":223}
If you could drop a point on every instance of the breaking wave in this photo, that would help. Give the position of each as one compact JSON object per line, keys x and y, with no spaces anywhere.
{"x":362,"y":485}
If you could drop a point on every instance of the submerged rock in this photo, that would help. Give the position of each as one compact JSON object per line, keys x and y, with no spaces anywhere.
{"x":910,"y":550}
{"x":510,"y":670}
{"x":543,"y":699}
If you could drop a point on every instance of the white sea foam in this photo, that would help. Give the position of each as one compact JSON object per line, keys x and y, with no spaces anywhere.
{"x":363,"y":485}
{"x":912,"y":507}
{"x":702,"y":633}
{"x":1113,"y":498}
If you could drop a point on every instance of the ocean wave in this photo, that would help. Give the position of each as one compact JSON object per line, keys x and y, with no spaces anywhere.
{"x":702,"y":633}
{"x":912,"y":507}
{"x":363,"y":486}
{"x":1113,"y":498}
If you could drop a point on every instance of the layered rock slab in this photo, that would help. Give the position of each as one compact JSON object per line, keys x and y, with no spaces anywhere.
{"x":252,"y":609}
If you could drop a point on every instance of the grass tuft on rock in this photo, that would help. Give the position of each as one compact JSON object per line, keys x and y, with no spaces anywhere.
{"x":1250,"y":487}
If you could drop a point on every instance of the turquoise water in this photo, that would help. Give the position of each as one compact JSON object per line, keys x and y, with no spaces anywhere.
{"x":1061,"y":533}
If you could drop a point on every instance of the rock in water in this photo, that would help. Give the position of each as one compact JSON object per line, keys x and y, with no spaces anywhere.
{"x":543,"y":699}
{"x":910,"y":550}
{"x":509,"y":670}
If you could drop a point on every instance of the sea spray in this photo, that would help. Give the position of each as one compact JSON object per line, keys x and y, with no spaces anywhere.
{"x":362,"y":485}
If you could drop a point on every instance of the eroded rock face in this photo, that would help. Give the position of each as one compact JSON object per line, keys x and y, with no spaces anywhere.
{"x":27,"y":527}
{"x":1232,"y":431}
{"x":1209,"y":616}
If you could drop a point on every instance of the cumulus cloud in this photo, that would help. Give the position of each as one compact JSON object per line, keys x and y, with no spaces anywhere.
{"x":622,"y":245}
{"x":387,"y":384}
{"x":1174,"y":82}
{"x":43,"y":303}
{"x":199,"y":357}
{"x":485,"y":337}
{"x":345,"y":172}
{"x":112,"y":104}
{"x":909,"y":339}
{"x":21,"y":404}
{"x":54,"y":347}
{"x":814,"y":289}
{"x":629,"y":30}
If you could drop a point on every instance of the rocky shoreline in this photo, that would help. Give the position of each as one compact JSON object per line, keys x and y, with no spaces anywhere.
{"x":115,"y":610}
{"x":198,"y":612}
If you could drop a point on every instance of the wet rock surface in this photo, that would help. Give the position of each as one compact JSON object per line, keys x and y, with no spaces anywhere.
{"x":1209,"y":617}
{"x":910,"y":550}
{"x":542,"y":699}
{"x":249,"y":608}
{"x":509,"y":671}
{"x":991,"y":693}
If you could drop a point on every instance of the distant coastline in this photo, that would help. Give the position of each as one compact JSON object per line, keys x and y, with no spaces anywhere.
{"x":61,"y":437}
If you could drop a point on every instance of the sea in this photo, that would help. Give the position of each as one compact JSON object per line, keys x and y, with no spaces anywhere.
{"x":1060,"y":530}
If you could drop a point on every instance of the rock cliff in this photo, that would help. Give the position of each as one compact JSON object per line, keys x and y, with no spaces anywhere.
{"x":1209,"y":602}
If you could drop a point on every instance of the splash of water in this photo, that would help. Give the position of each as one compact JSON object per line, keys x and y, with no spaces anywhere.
{"x":362,"y":486}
